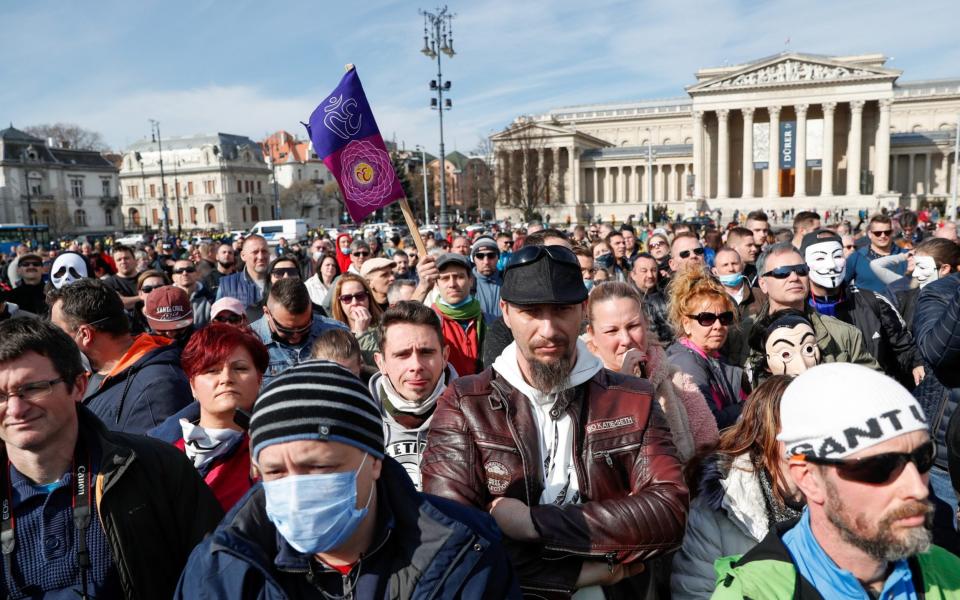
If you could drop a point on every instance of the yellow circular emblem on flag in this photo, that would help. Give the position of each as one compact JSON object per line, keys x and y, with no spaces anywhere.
{"x":363,"y":173}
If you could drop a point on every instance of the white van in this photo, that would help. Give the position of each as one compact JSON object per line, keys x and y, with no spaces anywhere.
{"x":292,"y":230}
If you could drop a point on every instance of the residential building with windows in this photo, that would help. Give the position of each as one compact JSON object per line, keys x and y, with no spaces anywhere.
{"x":305,"y":187}
{"x":41,"y":182}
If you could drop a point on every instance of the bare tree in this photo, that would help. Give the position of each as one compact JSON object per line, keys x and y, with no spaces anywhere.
{"x":69,"y":135}
{"x":297,"y":199}
{"x":481,"y":178}
{"x":527,"y":185}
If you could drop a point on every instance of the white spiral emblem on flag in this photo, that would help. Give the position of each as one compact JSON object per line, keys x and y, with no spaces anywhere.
{"x":366,"y":173}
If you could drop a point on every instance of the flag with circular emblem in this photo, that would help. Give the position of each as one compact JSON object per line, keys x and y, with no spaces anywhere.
{"x":345,"y":136}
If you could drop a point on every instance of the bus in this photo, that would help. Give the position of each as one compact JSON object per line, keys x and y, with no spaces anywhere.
{"x":14,"y":234}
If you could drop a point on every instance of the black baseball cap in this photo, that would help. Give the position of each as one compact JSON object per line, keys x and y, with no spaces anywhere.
{"x":543,"y":275}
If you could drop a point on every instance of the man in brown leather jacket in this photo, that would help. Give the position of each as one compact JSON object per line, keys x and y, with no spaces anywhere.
{"x":573,"y":461}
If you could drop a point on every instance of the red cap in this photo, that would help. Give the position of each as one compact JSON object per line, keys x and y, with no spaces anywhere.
{"x":168,"y":308}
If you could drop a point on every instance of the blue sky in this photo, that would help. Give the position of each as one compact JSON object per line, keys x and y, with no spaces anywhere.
{"x":253,"y":67}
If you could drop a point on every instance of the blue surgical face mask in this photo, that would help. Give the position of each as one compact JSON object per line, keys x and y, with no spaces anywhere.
{"x":316,"y":513}
{"x":731,"y":280}
{"x":588,"y":283}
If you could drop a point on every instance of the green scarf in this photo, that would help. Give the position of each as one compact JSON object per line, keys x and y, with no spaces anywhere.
{"x":465,"y":311}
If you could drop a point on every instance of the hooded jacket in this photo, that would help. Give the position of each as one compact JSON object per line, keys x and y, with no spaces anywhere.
{"x":145,"y":387}
{"x":429,"y":548}
{"x":342,"y":259}
{"x":488,"y":293}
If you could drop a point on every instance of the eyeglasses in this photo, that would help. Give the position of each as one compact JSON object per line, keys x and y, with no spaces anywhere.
{"x":882,"y":233}
{"x":31,"y":391}
{"x":880,"y":468}
{"x":654,"y":245}
{"x":351,"y":298}
{"x":27,"y":265}
{"x":686,"y":253}
{"x":707,"y":319}
{"x":784,"y":271}
{"x":486,"y":255}
{"x":361,"y":254}
{"x":284,"y":272}
{"x":149,"y":288}
{"x":529,"y":254}
{"x":183,"y":270}
{"x":231,"y":318}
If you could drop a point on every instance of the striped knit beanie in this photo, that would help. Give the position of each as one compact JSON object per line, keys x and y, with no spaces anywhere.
{"x":316,"y":400}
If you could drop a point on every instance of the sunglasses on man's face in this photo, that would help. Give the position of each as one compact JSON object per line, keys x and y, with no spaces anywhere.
{"x":30,"y":265}
{"x":183,"y":270}
{"x":882,"y":233}
{"x":707,"y":319}
{"x":361,"y":254}
{"x":285,"y":272}
{"x":880,"y":468}
{"x":486,"y":255}
{"x":785,"y":271}
{"x":149,"y":288}
{"x":288,"y":332}
{"x":230,"y":318}
{"x":686,"y":253}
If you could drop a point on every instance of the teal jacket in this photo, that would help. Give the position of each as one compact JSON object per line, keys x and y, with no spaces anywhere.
{"x":767,"y":573}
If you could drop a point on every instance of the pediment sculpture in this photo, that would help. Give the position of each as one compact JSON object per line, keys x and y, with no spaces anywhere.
{"x":790,"y":71}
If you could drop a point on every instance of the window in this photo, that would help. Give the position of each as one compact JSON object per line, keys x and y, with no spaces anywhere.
{"x":254,"y":213}
{"x":36,"y":189}
{"x":244,"y":213}
{"x":108,"y":217}
{"x":176,"y":186}
{"x":193,"y":215}
{"x":80,"y":217}
{"x":105,"y":185}
{"x":76,"y":187}
{"x":156,"y":216}
{"x":132,"y":191}
{"x":212,"y":213}
{"x":259,"y":189}
{"x":46,"y":216}
{"x":189,"y":188}
{"x":239,"y":187}
{"x":153,"y":190}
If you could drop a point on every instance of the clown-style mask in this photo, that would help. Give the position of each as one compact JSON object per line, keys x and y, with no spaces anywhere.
{"x":925,"y":270}
{"x":791,"y":347}
{"x":67,"y":268}
{"x":827,"y":263}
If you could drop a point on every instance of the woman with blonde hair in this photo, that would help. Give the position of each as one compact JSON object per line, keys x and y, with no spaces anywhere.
{"x":619,"y":334}
{"x":744,"y":491}
{"x":701,"y":313}
{"x":352,"y":304}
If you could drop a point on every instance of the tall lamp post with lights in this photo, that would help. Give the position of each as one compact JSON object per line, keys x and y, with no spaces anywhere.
{"x":155,"y":136}
{"x":438,"y":40}
{"x":426,"y":195}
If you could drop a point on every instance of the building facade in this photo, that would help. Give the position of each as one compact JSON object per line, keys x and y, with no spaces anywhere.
{"x":789,"y":131}
{"x":216,"y":182}
{"x":41,"y":182}
{"x":469,"y":185}
{"x":305,"y":187}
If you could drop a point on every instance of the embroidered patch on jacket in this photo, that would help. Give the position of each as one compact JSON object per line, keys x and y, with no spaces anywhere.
{"x":610,"y":424}
{"x":497,"y":477}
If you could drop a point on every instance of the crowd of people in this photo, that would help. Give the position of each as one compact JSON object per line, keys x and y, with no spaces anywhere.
{"x":599,"y":411}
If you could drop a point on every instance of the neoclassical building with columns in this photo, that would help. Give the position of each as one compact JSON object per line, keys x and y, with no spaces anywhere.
{"x":793,"y":130}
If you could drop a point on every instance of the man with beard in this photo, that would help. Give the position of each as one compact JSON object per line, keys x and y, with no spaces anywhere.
{"x":885,"y":335}
{"x":413,"y":374}
{"x":862,"y":465}
{"x":573,"y":461}
{"x":226,"y":265}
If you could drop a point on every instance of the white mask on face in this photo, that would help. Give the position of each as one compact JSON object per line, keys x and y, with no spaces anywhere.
{"x":827,"y":264}
{"x":925,"y":270}
{"x":67,"y":268}
{"x":792,"y":350}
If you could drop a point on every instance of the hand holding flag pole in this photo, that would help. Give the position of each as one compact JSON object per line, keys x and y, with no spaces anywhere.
{"x":345,"y":136}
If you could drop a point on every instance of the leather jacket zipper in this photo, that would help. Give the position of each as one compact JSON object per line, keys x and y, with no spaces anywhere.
{"x":495,"y":446}
{"x":516,"y":439}
{"x":605,"y":454}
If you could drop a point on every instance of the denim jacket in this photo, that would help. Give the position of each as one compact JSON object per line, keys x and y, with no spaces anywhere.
{"x":283,"y":356}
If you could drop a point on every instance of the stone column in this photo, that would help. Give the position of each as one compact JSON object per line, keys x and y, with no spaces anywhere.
{"x":525,"y":176}
{"x":747,"y":152}
{"x":723,"y":154}
{"x":577,"y":194}
{"x":826,"y":185}
{"x":893,"y":174}
{"x":927,"y":174}
{"x":773,"y":168}
{"x":635,"y":183}
{"x":621,"y":185}
{"x":661,"y":185}
{"x":596,"y":185}
{"x":608,"y":185}
{"x":507,"y":181}
{"x":881,"y":174}
{"x":568,"y":178}
{"x":854,"y":148}
{"x":911,"y":186}
{"x":555,"y":177}
{"x":541,"y":175}
{"x":697,"y":154}
{"x":800,"y":148}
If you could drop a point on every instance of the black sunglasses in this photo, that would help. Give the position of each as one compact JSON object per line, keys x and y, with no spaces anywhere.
{"x":882,"y":233}
{"x":529,"y":254}
{"x":285,"y":272}
{"x":27,"y":265}
{"x":880,"y":468}
{"x":288,"y":332}
{"x":486,"y":255}
{"x":686,"y":253}
{"x":149,"y":288}
{"x":707,"y":319}
{"x":184,"y":270}
{"x":361,"y":254}
{"x":784,"y":271}
{"x":230,"y":318}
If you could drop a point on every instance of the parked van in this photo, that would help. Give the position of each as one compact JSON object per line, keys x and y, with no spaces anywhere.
{"x":292,"y":230}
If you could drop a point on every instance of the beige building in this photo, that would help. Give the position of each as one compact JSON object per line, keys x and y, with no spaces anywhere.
{"x":788,"y":131}
{"x":210,"y":182}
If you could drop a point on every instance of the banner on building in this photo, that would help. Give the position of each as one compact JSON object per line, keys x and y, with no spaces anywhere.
{"x":788,"y":149}
{"x":815,"y":143}
{"x":761,"y":145}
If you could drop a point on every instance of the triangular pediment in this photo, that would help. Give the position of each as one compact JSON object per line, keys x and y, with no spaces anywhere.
{"x":529,"y":129}
{"x":792,"y":70}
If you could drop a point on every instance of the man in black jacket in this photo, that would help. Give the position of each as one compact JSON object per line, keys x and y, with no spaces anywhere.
{"x":119,"y":514}
{"x":885,"y":335}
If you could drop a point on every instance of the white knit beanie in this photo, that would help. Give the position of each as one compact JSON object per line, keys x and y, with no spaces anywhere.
{"x":837,"y":409}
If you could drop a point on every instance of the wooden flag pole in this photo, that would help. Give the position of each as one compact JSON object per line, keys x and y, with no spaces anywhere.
{"x":405,"y":209}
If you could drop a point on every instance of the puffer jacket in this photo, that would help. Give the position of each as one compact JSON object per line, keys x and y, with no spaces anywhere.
{"x":723,"y":386}
{"x":936,"y":328}
{"x":240,"y":286}
{"x":483,"y":444}
{"x":728,"y":517}
{"x":426,"y":548}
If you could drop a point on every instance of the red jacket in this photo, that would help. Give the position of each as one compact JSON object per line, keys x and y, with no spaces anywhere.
{"x":464,"y":344}
{"x":230,"y":475}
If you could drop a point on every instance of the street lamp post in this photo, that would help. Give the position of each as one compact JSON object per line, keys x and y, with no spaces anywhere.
{"x":649,"y":176}
{"x":155,"y":136}
{"x":956,"y":171}
{"x":438,"y":40}
{"x":426,"y":195}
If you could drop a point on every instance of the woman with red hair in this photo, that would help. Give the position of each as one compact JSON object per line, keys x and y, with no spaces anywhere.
{"x":225,"y":366}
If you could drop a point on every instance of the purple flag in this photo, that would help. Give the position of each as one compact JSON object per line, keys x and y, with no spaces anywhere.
{"x":347,"y":139}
